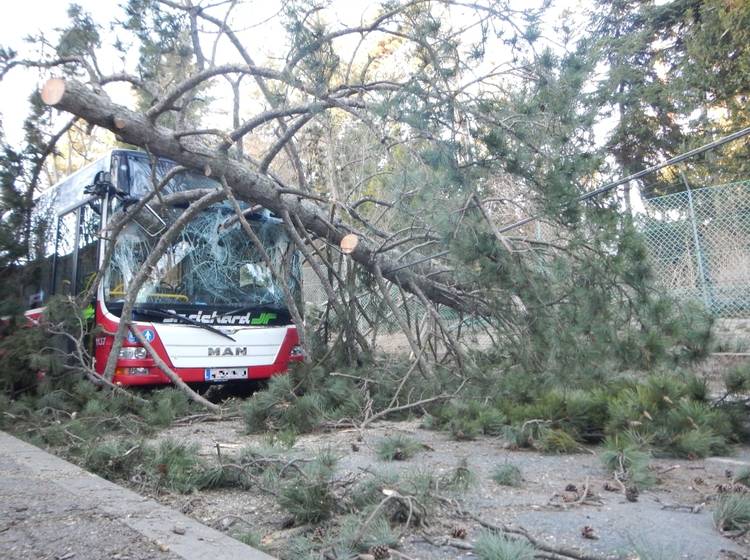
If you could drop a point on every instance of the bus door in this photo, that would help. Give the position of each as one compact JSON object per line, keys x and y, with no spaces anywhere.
{"x":76,"y":250}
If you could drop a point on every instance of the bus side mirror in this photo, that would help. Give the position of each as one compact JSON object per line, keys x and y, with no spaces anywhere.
{"x":102,"y":185}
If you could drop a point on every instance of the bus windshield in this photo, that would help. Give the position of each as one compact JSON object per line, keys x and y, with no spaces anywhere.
{"x":212,"y":271}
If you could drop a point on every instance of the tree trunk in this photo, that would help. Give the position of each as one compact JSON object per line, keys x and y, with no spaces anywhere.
{"x":246,"y":183}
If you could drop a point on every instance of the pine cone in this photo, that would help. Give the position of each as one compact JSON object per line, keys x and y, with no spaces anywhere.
{"x":734,"y":488}
{"x":588,"y":532}
{"x":458,"y":532}
{"x":380,"y":552}
{"x":631,"y":494}
{"x":569,"y":497}
{"x":698,"y":481}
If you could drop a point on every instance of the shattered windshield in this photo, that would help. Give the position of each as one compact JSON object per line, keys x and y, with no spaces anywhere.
{"x":212,"y":268}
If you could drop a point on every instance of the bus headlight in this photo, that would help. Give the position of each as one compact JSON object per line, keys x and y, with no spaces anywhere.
{"x":133,"y":353}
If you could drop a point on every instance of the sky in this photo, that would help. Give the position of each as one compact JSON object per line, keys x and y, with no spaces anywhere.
{"x":34,"y":16}
{"x":255,"y":19}
{"x":31,"y":17}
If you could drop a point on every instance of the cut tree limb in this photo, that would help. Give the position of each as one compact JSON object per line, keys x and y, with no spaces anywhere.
{"x":246,"y":183}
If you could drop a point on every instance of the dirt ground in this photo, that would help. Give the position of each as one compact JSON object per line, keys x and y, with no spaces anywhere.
{"x":669,"y":521}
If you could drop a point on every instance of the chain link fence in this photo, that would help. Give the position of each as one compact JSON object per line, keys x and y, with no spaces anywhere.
{"x":699,"y":243}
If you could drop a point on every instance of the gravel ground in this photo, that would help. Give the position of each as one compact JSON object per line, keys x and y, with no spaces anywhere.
{"x":653,"y":523}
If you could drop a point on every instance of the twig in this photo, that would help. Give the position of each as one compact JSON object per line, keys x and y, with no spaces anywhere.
{"x":563,"y":552}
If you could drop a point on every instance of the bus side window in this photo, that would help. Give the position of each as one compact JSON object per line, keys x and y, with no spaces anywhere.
{"x":65,"y":263}
{"x":88,"y":238}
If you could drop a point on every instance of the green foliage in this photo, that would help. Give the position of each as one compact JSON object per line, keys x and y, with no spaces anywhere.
{"x":250,"y":538}
{"x":507,"y":474}
{"x":493,"y":546}
{"x":166,"y":405}
{"x":369,"y":491}
{"x":464,"y":430}
{"x":558,"y":442}
{"x":115,"y":458}
{"x":22,"y":363}
{"x":743,"y":476}
{"x":732,"y":512}
{"x":300,"y":400}
{"x":461,"y":478}
{"x":669,"y":411}
{"x":378,"y":532}
{"x":308,"y":495}
{"x":658,"y":119}
{"x":628,"y":461}
{"x":298,"y":548}
{"x":737,"y":379}
{"x":176,"y":466}
{"x":219,"y":476}
{"x":466,"y":419}
{"x":397,"y":447}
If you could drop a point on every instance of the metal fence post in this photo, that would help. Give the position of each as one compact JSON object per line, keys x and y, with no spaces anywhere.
{"x":696,"y":241}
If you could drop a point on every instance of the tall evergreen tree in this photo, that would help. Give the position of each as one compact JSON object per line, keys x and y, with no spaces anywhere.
{"x":676,"y":74}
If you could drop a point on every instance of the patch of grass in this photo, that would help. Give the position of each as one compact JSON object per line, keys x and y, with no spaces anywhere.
{"x":698,"y":443}
{"x":377,"y":533}
{"x":283,"y":438}
{"x":397,"y":447}
{"x":303,"y":414}
{"x":166,"y":405}
{"x":737,"y":379}
{"x":743,"y":476}
{"x":650,"y":551}
{"x":298,"y":548}
{"x":369,"y":491}
{"x":250,"y":538}
{"x":114,"y":459}
{"x":219,"y":476}
{"x":493,"y":546}
{"x":176,"y":466}
{"x":518,"y":436}
{"x":557,"y":441}
{"x":732,"y":512}
{"x":460,"y":478}
{"x":309,"y":496}
{"x":622,"y":455}
{"x":507,"y":474}
{"x":464,"y":429}
{"x":492,"y":421}
{"x":279,"y":407}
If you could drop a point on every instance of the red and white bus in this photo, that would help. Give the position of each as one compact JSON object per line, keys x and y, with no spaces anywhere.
{"x":210,"y":308}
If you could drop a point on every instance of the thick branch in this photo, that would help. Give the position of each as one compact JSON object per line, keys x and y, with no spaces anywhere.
{"x":246,"y":182}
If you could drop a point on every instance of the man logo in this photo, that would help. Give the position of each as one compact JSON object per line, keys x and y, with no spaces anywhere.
{"x":228,"y":351}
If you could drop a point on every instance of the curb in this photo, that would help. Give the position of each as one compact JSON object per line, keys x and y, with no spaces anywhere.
{"x":147,"y":517}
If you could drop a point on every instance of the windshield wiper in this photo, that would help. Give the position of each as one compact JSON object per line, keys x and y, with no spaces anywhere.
{"x":182,"y":318}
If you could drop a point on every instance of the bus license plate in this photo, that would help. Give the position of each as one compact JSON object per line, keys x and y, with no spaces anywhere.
{"x":225,"y":374}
